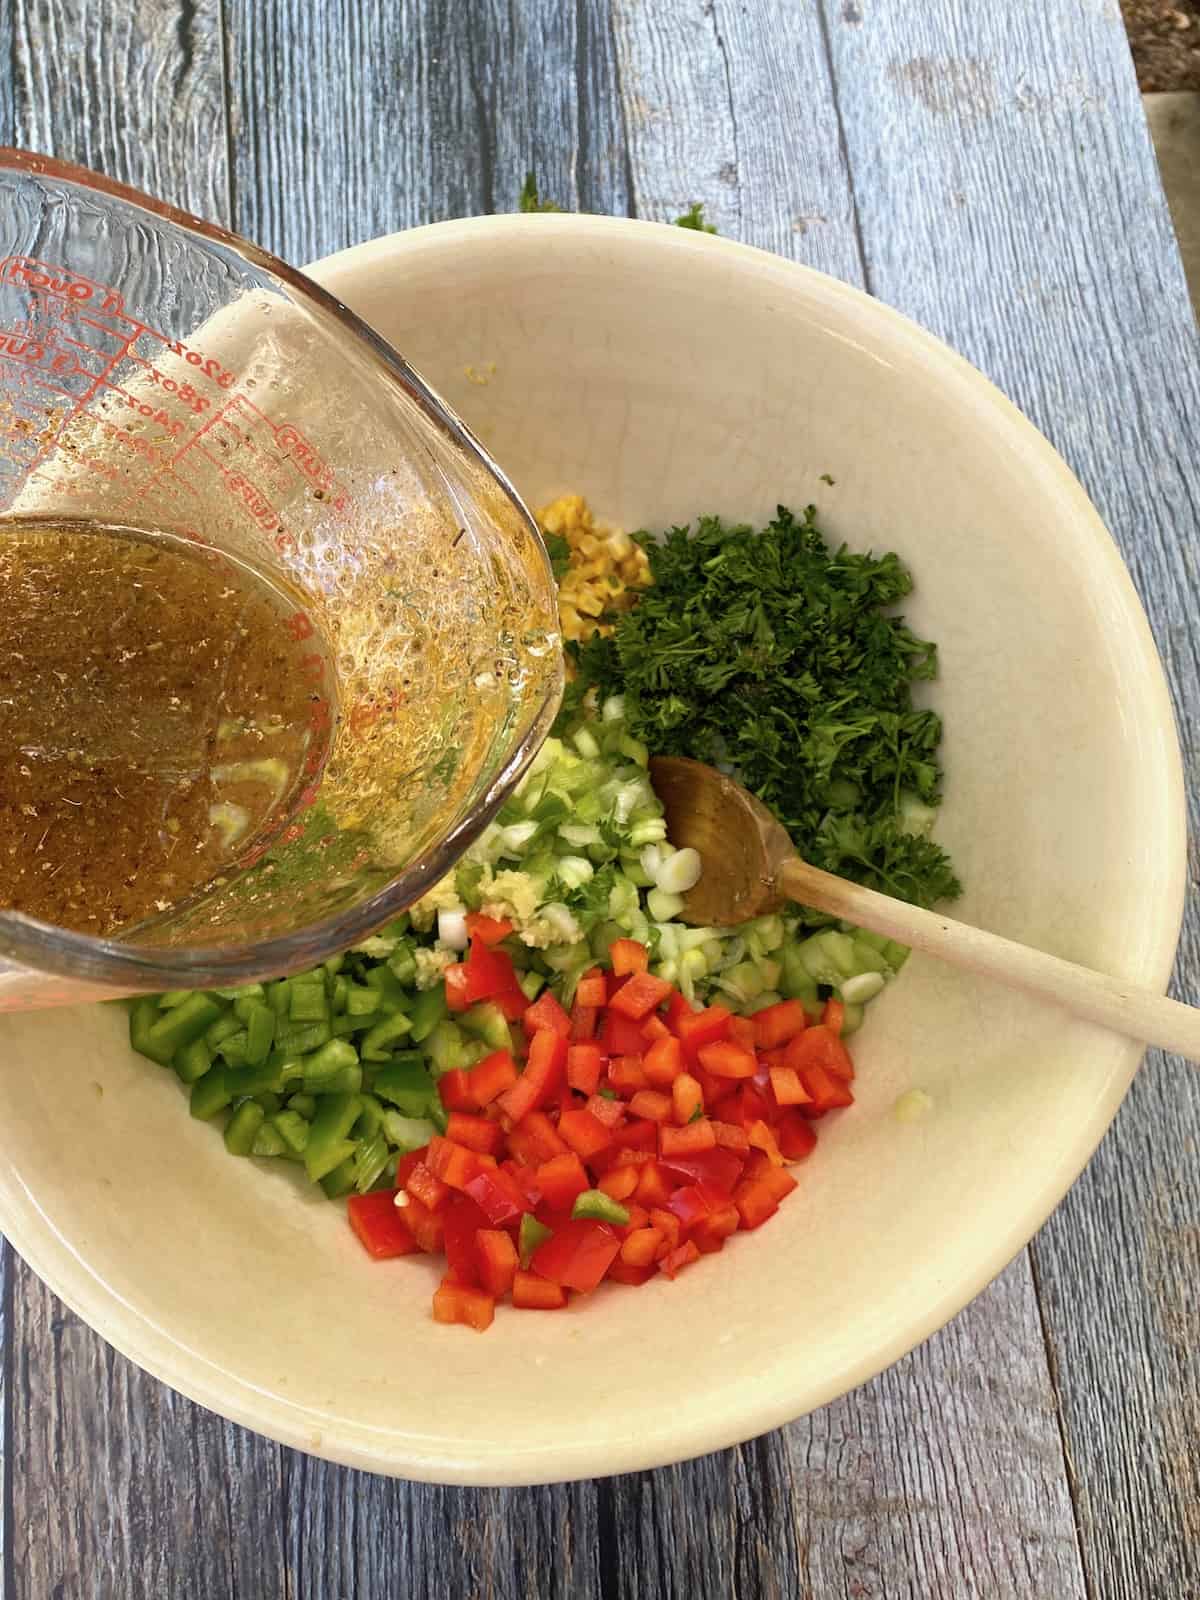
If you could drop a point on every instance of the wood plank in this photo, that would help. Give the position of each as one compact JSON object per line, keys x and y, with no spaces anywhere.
{"x":733,"y":105}
{"x":358,"y":1537}
{"x":115,"y":1485}
{"x":135,"y":92}
{"x":1009,"y":200}
{"x":119,"y":1486}
{"x":420,"y":110}
{"x":943,"y":1478}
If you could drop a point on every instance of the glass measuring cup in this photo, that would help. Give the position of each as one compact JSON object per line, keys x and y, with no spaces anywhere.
{"x":159,"y":373}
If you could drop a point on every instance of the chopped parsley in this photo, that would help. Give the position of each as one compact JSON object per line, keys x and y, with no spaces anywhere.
{"x":693,"y":217}
{"x":771,"y":654}
{"x":530,"y":200}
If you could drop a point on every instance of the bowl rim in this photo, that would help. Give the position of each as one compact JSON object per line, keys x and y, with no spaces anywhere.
{"x":729,"y":1422}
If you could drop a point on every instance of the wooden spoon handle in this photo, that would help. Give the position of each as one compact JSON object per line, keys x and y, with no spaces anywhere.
{"x":1136,"y":1013}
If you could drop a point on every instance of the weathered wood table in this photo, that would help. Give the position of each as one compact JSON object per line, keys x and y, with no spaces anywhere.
{"x":985,"y":168}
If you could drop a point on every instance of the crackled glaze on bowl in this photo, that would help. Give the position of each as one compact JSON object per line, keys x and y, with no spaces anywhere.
{"x":665,"y":374}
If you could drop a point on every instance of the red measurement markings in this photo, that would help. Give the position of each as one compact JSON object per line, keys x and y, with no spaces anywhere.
{"x":368,"y":711}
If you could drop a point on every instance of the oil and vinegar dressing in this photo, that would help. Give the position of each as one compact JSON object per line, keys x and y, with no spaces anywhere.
{"x":155,"y":720}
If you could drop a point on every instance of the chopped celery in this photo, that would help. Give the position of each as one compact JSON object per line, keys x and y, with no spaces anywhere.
{"x":446,"y":1048}
{"x":407,"y":1133}
{"x":487,"y":1022}
{"x":341,"y":1180}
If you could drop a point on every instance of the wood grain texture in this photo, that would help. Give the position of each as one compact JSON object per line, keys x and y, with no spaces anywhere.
{"x":1008,"y":200}
{"x":418,"y":110}
{"x":133,"y":90}
{"x":733,"y":105}
{"x":116,"y":1489}
{"x":1015,"y":208}
{"x":121,"y":1489}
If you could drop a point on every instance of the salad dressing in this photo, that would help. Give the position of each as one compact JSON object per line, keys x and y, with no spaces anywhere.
{"x":155,"y":719}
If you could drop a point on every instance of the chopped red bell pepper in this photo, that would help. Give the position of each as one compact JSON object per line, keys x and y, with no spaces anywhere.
{"x":628,"y":956}
{"x":826,"y":1089}
{"x":455,"y":1092}
{"x":619,"y":1182}
{"x":497,"y":1261}
{"x":425,"y":1226}
{"x":543,"y":1072}
{"x":775,"y":1025}
{"x":725,"y":1058}
{"x":687,"y":1099}
{"x":584,"y":1021}
{"x":489,"y":1078}
{"x":796,"y":1136}
{"x":531,"y":1293}
{"x":721,"y":1167}
{"x":584,"y":1133}
{"x":379,"y":1225}
{"x":757,"y":1198}
{"x":453,"y":1163}
{"x":456,"y":982}
{"x":546,"y":1012}
{"x":622,"y":1272}
{"x":462,"y":1220}
{"x":833,"y":1016}
{"x":477,"y":1133}
{"x":682,"y":1256}
{"x":426,"y":1187}
{"x":638,"y":998}
{"x":621,"y":1036}
{"x":584,"y":1066}
{"x":489,"y":972}
{"x":405,"y":1165}
{"x":498,"y":1196}
{"x":699,"y":1028}
{"x":663,"y":1062}
{"x":819,"y":1047}
{"x":652,"y":1103}
{"x":787,"y":1088}
{"x":562,"y":1180}
{"x":455,"y":1302}
{"x":591,"y":990}
{"x":696,"y":1136}
{"x":577,"y":1255}
{"x":490,"y":930}
{"x":609,"y":1112}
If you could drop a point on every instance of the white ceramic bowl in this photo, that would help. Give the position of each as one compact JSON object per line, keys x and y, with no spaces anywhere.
{"x":665,"y":374}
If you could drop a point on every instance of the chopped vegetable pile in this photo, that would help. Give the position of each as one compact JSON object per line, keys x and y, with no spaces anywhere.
{"x":639,"y":1135}
{"x":541,"y":1071}
{"x":770,"y":653}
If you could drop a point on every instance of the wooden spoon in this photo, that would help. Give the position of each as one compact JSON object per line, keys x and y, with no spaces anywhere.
{"x":751,"y":868}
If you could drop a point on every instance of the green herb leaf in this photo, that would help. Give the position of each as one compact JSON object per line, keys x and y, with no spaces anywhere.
{"x":530,"y":200}
{"x":775,"y":655}
{"x":559,"y":552}
{"x":693,"y":217}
